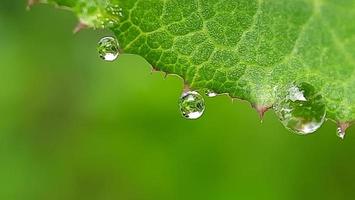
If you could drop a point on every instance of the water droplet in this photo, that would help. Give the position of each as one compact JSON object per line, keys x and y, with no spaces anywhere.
{"x":341,"y":133}
{"x":111,"y":17}
{"x":108,"y":49}
{"x":302,"y":110}
{"x":114,"y":10}
{"x":210,"y":93}
{"x":341,"y":130}
{"x":192,"y":105}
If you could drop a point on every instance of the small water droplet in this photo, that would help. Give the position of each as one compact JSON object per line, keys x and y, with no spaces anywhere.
{"x":210,"y":93}
{"x":341,"y":133}
{"x":192,"y":105}
{"x":115,"y":10}
{"x":111,"y":17}
{"x":108,"y":49}
{"x":302,"y":110}
{"x":341,"y":130}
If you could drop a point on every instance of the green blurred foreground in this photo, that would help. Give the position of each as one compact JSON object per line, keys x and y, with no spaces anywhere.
{"x":75,"y":127}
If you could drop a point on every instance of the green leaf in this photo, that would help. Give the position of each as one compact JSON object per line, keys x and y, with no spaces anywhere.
{"x":250,"y":49}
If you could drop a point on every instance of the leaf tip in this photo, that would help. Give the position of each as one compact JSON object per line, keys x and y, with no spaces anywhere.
{"x":341,"y":130}
{"x":186,"y":88}
{"x":261,"y":111}
{"x":30,"y":3}
{"x":79,"y":27}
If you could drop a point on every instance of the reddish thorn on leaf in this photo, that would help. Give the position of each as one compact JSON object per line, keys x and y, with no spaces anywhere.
{"x":342,"y":127}
{"x":186,"y":88}
{"x":80,"y":26}
{"x":261,"y":111}
{"x":30,"y":3}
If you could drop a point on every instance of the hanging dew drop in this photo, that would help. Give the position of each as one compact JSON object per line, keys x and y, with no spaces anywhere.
{"x":341,"y":130}
{"x":210,"y":93}
{"x":192,"y":105}
{"x":302,"y":110}
{"x":341,"y":133}
{"x":108,"y":48}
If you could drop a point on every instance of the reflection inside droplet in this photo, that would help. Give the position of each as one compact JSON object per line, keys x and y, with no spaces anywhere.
{"x":108,"y":48}
{"x":302,"y":110}
{"x":192,"y":105}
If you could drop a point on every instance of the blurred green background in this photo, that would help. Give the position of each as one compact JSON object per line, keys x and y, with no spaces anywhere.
{"x":75,"y":127}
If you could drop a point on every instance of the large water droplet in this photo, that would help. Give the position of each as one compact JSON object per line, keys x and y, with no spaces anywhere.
{"x":192,"y":105}
{"x":210,"y":93}
{"x":302,"y":110}
{"x":108,"y":48}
